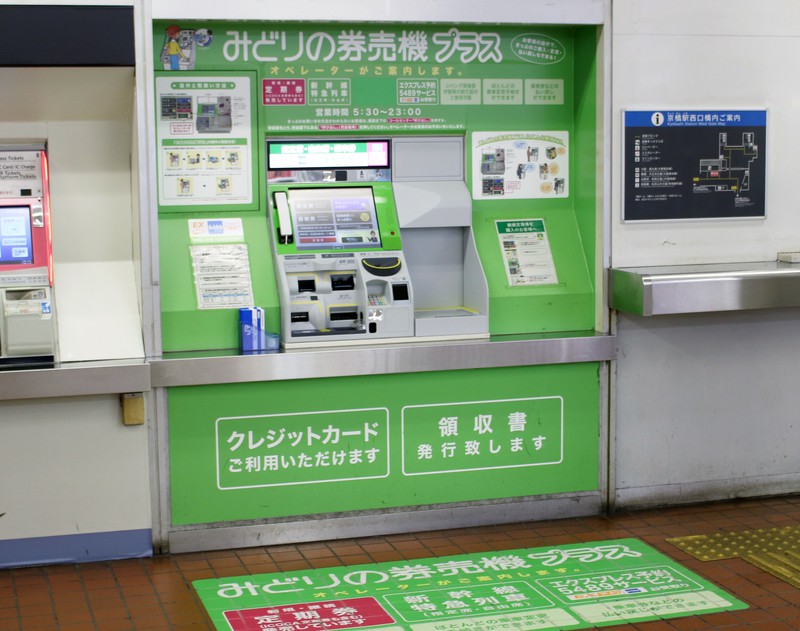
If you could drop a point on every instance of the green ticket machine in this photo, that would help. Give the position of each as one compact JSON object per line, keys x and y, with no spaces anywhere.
{"x":372,"y":241}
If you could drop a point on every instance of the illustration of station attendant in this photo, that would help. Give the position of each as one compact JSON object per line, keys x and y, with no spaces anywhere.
{"x":351,"y":240}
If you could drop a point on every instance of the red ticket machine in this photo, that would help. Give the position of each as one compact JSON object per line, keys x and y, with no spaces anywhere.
{"x":27,"y":318}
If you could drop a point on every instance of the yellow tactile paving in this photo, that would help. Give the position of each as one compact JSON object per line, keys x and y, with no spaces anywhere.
{"x":774,"y":550}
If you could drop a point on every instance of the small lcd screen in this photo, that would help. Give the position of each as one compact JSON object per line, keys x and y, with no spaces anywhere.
{"x":16,"y":240}
{"x":339,"y":154}
{"x":334,"y":218}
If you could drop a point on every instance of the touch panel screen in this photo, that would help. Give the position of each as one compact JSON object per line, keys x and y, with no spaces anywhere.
{"x":334,"y":218}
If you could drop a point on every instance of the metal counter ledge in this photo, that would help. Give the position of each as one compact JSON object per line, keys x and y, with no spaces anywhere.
{"x":188,"y":369}
{"x":203,"y":368}
{"x":677,"y":289}
{"x":71,"y":379}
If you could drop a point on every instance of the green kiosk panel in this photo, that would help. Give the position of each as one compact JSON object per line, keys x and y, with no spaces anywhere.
{"x":396,"y":211}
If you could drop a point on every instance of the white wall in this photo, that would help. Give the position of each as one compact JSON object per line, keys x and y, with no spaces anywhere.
{"x":85,"y":115}
{"x":706,"y":405}
{"x":69,"y":466}
{"x":690,"y":54}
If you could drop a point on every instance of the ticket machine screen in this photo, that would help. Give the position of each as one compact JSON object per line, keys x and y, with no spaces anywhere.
{"x":16,"y":240}
{"x":334,"y":218}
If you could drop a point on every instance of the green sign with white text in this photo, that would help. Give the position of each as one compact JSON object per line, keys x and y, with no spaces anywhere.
{"x":262,"y":450}
{"x":482,"y":435}
{"x":577,"y":586}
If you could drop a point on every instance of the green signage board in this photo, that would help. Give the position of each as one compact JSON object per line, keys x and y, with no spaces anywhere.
{"x":288,"y":448}
{"x":577,"y":586}
{"x":318,"y":77}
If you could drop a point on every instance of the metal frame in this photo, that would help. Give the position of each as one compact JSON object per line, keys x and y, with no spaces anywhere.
{"x":365,"y":523}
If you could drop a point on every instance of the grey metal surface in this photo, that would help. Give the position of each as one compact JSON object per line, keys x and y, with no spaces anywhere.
{"x":705,"y":407}
{"x":208,"y":537}
{"x":76,"y":379}
{"x":139,"y":375}
{"x":649,"y":291}
{"x":201,"y":369}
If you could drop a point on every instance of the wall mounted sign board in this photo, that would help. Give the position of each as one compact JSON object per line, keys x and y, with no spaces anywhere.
{"x":694,"y":164}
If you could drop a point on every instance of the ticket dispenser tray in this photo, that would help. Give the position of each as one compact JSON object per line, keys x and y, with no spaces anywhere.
{"x":27,"y":334}
{"x":434,"y":210}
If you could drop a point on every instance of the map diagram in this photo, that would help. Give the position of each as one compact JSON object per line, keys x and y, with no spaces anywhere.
{"x":730,"y":172}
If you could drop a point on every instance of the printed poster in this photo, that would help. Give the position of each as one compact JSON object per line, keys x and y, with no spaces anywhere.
{"x":520,"y":165}
{"x":527,"y":257}
{"x":222,"y":276}
{"x":204,"y":127}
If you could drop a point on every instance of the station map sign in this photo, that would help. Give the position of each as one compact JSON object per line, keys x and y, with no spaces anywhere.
{"x":694,"y":164}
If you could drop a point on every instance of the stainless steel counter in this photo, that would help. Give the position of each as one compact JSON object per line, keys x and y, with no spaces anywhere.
{"x":201,"y":369}
{"x":188,"y":369}
{"x":76,"y":379}
{"x":650,"y":291}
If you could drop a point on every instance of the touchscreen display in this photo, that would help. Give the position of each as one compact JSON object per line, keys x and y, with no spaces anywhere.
{"x":16,"y":243}
{"x":334,"y":218}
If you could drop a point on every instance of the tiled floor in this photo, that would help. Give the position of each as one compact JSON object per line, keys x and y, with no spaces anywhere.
{"x":157,"y":594}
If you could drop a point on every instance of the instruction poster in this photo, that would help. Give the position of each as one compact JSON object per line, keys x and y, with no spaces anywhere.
{"x":222,"y":276}
{"x":694,"y":164}
{"x":204,"y":140}
{"x":527,"y":257}
{"x":520,"y":165}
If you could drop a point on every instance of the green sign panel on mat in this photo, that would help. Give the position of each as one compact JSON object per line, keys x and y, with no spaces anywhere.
{"x":575,"y":586}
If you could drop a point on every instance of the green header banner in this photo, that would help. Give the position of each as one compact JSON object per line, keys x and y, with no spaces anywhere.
{"x":386,"y":77}
{"x":578,"y":586}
